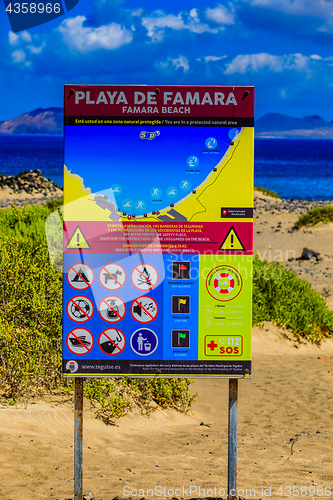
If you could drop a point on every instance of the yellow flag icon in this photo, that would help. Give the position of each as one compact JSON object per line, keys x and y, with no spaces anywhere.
{"x":78,"y":241}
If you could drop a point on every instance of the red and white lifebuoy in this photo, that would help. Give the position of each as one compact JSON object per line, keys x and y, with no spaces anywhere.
{"x":224,"y":276}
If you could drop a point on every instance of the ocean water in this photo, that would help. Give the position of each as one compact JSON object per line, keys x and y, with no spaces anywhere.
{"x":30,"y":152}
{"x":297,"y":169}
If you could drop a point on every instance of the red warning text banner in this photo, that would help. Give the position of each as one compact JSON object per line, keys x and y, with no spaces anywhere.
{"x":150,"y":101}
{"x":140,"y":237}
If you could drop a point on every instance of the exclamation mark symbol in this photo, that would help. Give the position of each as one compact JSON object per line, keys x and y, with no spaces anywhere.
{"x":232,"y":240}
{"x":78,"y":239}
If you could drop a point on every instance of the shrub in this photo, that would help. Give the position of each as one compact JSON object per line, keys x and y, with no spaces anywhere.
{"x":280,"y":296}
{"x":315,"y":215}
{"x":267,"y":192}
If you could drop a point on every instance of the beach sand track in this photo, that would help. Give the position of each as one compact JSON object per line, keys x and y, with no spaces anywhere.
{"x":288,"y":399}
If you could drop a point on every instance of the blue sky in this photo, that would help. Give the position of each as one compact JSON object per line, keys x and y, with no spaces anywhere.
{"x":282,"y":47}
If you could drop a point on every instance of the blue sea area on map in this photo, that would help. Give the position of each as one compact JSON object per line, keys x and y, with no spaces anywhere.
{"x":145,"y":169}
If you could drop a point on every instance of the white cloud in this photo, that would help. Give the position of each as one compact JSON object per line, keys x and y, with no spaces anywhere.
{"x":221,"y":15}
{"x":181,"y":62}
{"x":157,"y":24}
{"x":136,"y":13}
{"x":36,"y":50}
{"x":18,"y":56}
{"x":296,"y":61}
{"x":252,"y":63}
{"x":13,"y":38}
{"x":316,"y":57}
{"x":213,"y":58}
{"x":25,"y":36}
{"x":82,"y":39}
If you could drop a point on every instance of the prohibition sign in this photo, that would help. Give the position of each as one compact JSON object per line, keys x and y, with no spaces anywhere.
{"x":144,"y":277}
{"x":80,"y":276}
{"x":112,"y":341}
{"x":112,"y":309}
{"x":224,"y":283}
{"x":144,"y":309}
{"x":112,"y":276}
{"x":80,"y":341}
{"x":80,"y":308}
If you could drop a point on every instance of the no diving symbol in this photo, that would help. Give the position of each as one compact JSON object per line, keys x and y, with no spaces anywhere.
{"x":80,"y":308}
{"x":112,"y":341}
{"x":112,"y":276}
{"x":144,"y":277}
{"x":112,"y":309}
{"x":80,"y":276}
{"x":80,"y":341}
{"x":144,"y":309}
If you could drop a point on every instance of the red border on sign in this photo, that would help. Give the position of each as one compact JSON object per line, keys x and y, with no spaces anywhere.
{"x":78,"y":353}
{"x":71,"y":301}
{"x":109,"y":264}
{"x":224,"y":355}
{"x":224,"y":300}
{"x":103,"y":333}
{"x":80,"y":264}
{"x":144,"y":297}
{"x":135,"y":268}
{"x":112,"y":297}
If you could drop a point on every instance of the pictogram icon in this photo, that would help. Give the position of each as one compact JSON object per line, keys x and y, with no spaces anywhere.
{"x":112,"y":276}
{"x":80,"y":276}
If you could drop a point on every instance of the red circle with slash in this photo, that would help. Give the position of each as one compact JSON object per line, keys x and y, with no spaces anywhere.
{"x":144,"y":309}
{"x":80,"y":341}
{"x":80,"y":308}
{"x":112,"y":276}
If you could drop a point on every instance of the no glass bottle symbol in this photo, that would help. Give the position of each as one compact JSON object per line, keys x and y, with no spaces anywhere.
{"x":112,"y":309}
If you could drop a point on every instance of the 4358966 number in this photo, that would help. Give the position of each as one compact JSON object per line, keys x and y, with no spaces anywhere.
{"x":33,"y":8}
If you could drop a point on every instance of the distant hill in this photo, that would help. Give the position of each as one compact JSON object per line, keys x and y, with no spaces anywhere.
{"x":275,"y":125}
{"x":284,"y":126}
{"x":39,"y":121}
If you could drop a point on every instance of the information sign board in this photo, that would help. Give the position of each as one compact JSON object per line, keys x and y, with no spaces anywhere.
{"x":158,"y":230}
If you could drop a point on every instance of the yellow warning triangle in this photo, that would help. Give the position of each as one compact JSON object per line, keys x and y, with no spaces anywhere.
{"x":232,"y":241}
{"x":78,"y":241}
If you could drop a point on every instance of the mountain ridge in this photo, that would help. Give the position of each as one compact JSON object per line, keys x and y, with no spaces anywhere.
{"x":39,"y":121}
{"x":271,"y":125}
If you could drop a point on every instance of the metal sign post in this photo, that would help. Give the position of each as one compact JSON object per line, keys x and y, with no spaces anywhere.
{"x":232,"y":438}
{"x":78,"y":432}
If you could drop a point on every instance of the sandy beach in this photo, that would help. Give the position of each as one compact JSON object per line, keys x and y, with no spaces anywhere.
{"x":285,"y":425}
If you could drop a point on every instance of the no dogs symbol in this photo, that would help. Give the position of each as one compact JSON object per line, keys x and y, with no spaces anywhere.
{"x":112,"y":276}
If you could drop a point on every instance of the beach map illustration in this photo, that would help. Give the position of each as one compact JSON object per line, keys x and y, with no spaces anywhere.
{"x":158,"y":213}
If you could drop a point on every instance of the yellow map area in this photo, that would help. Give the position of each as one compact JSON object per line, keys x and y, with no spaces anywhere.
{"x":226,"y":186}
